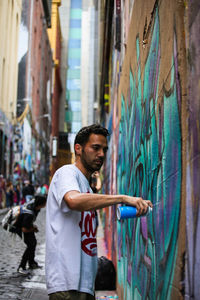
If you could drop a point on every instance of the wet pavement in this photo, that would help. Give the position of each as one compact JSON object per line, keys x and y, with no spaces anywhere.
{"x":19,"y":287}
{"x":12,"y":284}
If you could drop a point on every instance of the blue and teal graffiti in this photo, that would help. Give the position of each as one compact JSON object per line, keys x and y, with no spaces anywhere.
{"x":149,"y":165}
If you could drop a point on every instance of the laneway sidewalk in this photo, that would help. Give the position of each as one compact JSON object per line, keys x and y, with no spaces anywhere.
{"x":3,"y":211}
{"x":34,"y":286}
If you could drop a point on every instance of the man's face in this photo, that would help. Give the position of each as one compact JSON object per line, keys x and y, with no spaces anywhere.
{"x":93,"y":152}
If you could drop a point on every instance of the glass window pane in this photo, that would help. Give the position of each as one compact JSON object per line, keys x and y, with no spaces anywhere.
{"x":74,"y":73}
{"x":75,"y":23}
{"x":74,"y":43}
{"x":74,"y":53}
{"x":74,"y":84}
{"x":75,"y":13}
{"x":75,"y":33}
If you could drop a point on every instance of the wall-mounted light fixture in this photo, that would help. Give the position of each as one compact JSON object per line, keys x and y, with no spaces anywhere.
{"x":25,"y":100}
{"x":43,"y":116}
{"x":54,"y":146}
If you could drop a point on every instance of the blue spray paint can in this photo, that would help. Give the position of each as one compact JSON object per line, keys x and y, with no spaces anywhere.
{"x":125,"y":212}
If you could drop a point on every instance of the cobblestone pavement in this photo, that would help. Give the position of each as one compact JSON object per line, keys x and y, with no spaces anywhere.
{"x":12,"y":284}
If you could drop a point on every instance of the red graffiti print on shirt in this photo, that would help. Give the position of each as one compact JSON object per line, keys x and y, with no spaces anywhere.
{"x":88,"y":225}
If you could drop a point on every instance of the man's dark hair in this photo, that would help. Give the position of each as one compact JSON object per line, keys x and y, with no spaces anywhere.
{"x":40,"y":200}
{"x":84,"y":133}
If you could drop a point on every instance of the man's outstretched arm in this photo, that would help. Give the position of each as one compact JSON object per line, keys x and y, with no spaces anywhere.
{"x":85,"y":201}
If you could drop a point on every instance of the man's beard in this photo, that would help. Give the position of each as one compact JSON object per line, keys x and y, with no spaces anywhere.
{"x":88,"y":165}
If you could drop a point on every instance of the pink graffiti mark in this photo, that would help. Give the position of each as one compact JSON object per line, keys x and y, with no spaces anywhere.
{"x":147,"y":260}
{"x":144,"y":227}
{"x":129,"y":275}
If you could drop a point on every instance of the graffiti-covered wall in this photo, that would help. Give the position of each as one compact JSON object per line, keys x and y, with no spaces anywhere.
{"x":192,"y":270}
{"x":149,"y":151}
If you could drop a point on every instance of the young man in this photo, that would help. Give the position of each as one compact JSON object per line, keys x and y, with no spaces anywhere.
{"x":26,"y":230}
{"x":71,"y":222}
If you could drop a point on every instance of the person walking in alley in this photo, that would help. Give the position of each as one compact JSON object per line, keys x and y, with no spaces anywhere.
{"x":9,"y":194}
{"x":28,"y":191}
{"x":26,"y":230}
{"x":17,"y":194}
{"x":71,"y":219}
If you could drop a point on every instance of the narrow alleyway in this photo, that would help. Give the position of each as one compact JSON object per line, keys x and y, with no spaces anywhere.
{"x":14,"y":286}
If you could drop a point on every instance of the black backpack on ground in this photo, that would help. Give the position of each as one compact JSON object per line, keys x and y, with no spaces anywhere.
{"x":106,"y":275}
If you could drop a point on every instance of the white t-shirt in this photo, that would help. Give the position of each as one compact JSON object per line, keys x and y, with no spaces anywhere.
{"x":71,"y":248}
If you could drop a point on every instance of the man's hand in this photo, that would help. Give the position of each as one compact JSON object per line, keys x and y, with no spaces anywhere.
{"x":31,"y":229}
{"x":140,"y":204}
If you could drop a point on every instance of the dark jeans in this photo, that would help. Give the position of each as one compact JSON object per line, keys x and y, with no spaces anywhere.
{"x":29,"y":253}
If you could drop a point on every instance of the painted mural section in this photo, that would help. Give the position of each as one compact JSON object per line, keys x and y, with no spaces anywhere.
{"x":147,"y":156}
{"x":192,"y":273}
{"x":149,"y":165}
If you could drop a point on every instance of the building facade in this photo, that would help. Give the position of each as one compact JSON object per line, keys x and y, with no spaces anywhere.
{"x":55,"y":37}
{"x":79,"y":63}
{"x":10,"y":15}
{"x":34,"y":101}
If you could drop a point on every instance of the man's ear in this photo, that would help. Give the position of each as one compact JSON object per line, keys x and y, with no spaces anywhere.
{"x":78,"y":149}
